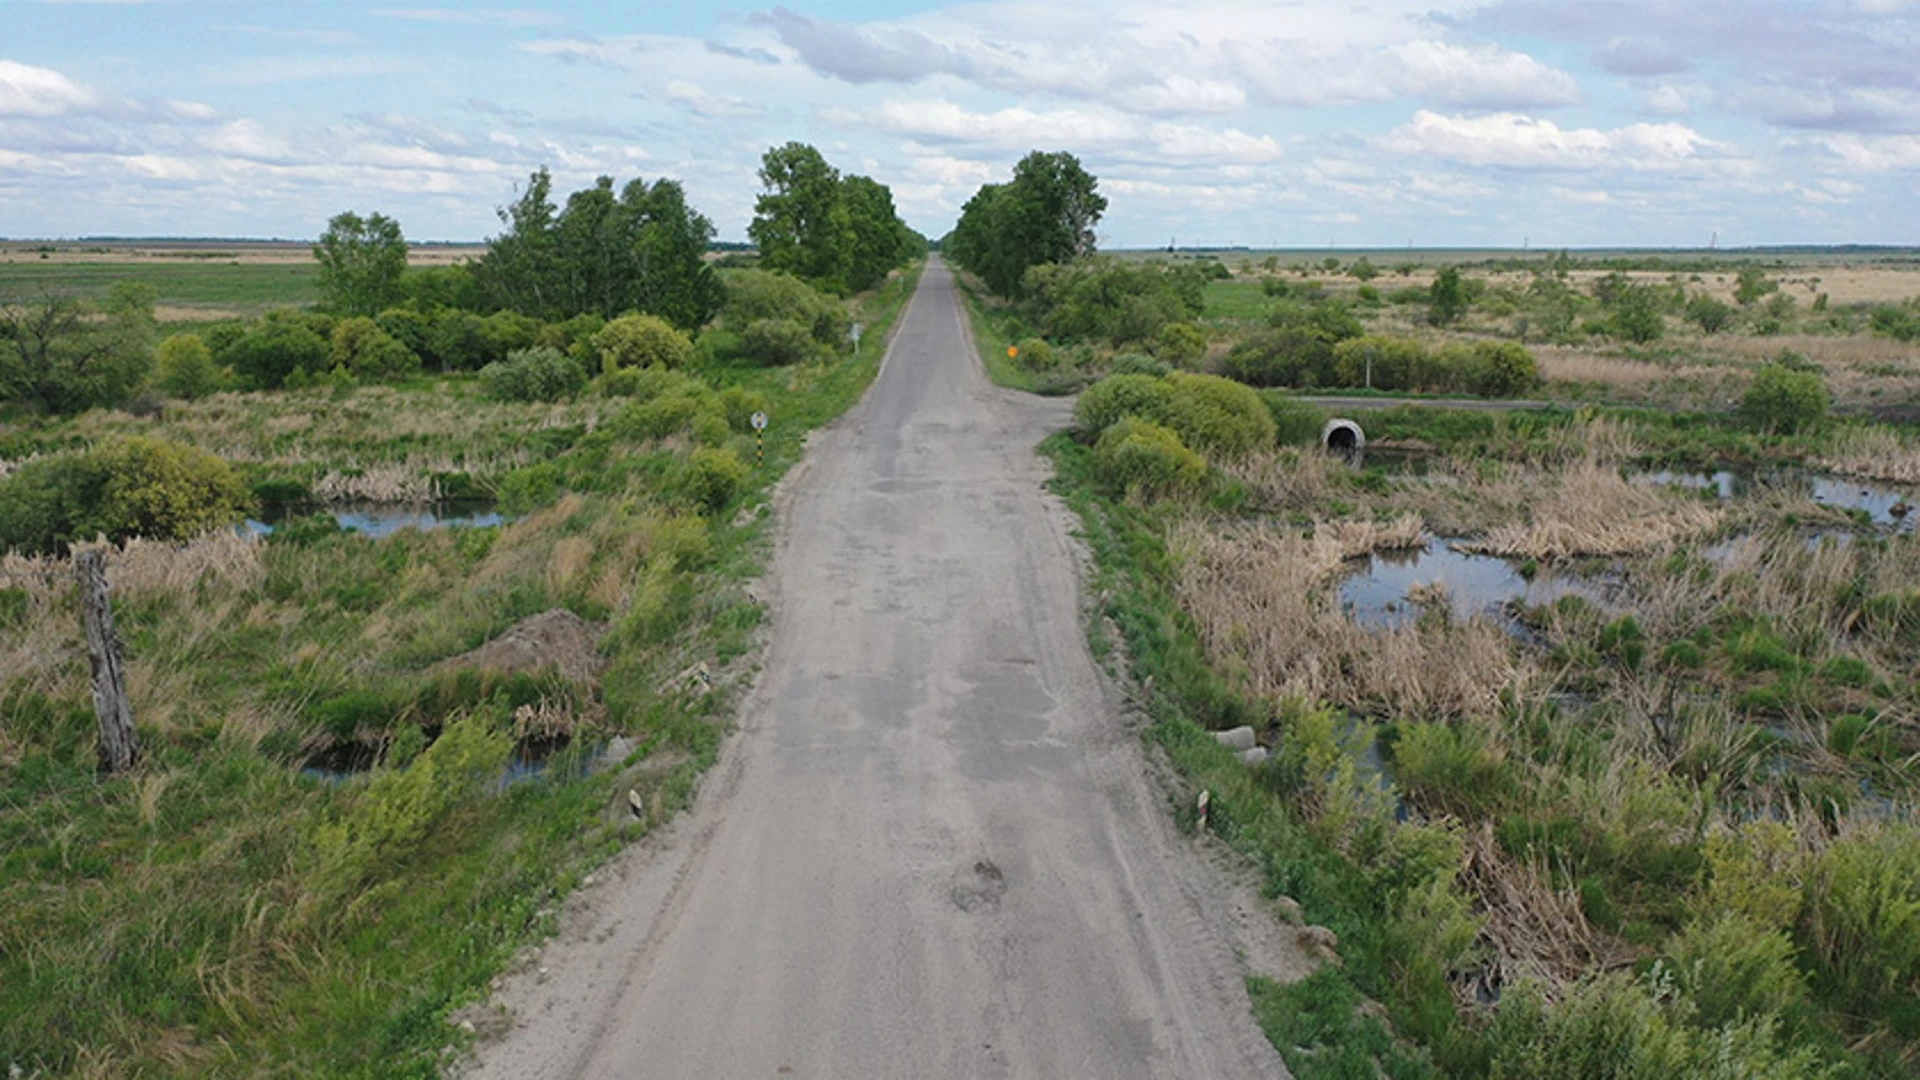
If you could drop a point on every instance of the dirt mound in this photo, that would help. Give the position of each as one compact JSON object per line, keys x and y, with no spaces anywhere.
{"x":552,"y":640}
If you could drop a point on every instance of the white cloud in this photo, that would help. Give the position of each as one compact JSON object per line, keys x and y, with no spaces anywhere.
{"x":1082,"y":130}
{"x":1511,"y":140}
{"x":36,"y":91}
{"x":695,"y":98}
{"x":1484,"y":75}
{"x":472,"y":16}
{"x":1666,"y":100}
{"x":1870,"y":154}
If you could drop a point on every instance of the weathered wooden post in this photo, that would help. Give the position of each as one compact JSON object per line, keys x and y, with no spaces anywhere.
{"x":119,"y":746}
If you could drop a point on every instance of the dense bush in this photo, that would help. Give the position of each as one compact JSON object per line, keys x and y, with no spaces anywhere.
{"x":63,"y":356}
{"x":1295,"y":422}
{"x":1864,"y":914}
{"x":1710,"y":313}
{"x":368,"y":353}
{"x":1731,"y":968}
{"x":275,"y":347}
{"x":710,"y":478}
{"x":642,"y":384}
{"x":1784,"y":399}
{"x":1500,"y":369}
{"x":642,"y":341}
{"x":1287,"y":357}
{"x":1117,"y":302}
{"x":1146,"y":461}
{"x":536,"y":374}
{"x":186,"y":368}
{"x":1035,"y":354}
{"x":1181,"y":344}
{"x":754,"y":295}
{"x":121,"y":489}
{"x":1106,"y":402}
{"x":670,"y":413}
{"x":1620,"y":1027}
{"x":1216,"y":416}
{"x":1385,"y":363}
{"x":778,"y":342}
{"x":1900,"y":322}
{"x":739,"y":404}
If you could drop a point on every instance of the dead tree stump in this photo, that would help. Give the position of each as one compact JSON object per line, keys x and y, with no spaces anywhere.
{"x":119,"y":746}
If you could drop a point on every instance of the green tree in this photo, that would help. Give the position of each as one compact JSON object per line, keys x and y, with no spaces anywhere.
{"x":1709,"y":312}
{"x":1636,"y":315}
{"x":1784,"y":398}
{"x":1046,"y":214}
{"x":801,"y":223}
{"x":361,"y":263}
{"x":607,"y":254}
{"x":1751,"y":284}
{"x":1447,"y":298}
{"x":186,"y":368}
{"x":61,"y":355}
{"x":881,"y":241}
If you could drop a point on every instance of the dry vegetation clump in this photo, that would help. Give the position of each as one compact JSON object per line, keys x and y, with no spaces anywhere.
{"x":1591,"y":510}
{"x":1535,"y":931}
{"x":1260,"y":600}
{"x":395,"y":484}
{"x":1873,"y":453}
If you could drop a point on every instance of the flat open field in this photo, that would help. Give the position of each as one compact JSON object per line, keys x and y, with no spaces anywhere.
{"x":197,"y":280}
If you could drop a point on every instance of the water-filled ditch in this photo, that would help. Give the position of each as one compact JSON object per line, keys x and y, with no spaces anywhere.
{"x":378,"y":520}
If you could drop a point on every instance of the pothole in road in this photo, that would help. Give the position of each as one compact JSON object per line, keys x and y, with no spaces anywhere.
{"x":977,"y":889}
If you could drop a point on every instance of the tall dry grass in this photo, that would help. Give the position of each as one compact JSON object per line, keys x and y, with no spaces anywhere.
{"x":1589,"y":509}
{"x":1874,"y":453}
{"x":1260,"y":600}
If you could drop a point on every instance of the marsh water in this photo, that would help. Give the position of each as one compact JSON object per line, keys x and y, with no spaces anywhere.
{"x":378,"y":520}
{"x":532,"y":759}
{"x":1381,"y":593}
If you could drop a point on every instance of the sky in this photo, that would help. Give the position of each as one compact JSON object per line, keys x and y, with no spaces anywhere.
{"x":1293,"y":123}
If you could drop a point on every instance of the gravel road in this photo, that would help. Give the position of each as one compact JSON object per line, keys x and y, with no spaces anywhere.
{"x":935,"y":847}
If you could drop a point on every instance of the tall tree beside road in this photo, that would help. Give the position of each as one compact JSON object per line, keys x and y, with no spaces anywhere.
{"x":641,"y":250}
{"x":1046,"y":214}
{"x":801,"y":223}
{"x":362,"y":260}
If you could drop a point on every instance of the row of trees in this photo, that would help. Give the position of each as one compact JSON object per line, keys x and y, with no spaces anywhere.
{"x":1045,"y":214}
{"x":554,"y":277}
{"x":840,"y":233}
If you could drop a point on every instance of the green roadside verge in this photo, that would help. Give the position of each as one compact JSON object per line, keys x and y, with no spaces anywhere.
{"x":220,"y":912}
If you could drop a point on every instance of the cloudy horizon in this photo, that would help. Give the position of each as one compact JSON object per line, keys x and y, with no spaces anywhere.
{"x":1440,"y":123}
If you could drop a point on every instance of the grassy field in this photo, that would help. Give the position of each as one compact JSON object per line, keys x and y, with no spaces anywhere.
{"x":1549,"y":720}
{"x":356,"y":915}
{"x":187,"y":290}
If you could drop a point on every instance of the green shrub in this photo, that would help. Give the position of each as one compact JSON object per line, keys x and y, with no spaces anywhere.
{"x":739,"y":404}
{"x":1710,"y":313}
{"x":1784,"y":400}
{"x":778,"y":342}
{"x":710,"y":478}
{"x":1384,"y":363}
{"x":1733,"y":969}
{"x":1453,"y":769}
{"x":755,"y":295}
{"x":1864,"y":911}
{"x":641,"y":341}
{"x":1113,"y":398}
{"x":1619,"y":1027}
{"x":1502,"y":369}
{"x":1295,"y":422}
{"x":1147,"y":462}
{"x":1135,"y":364}
{"x":186,"y":368}
{"x":1034,"y":354}
{"x":369,"y":353}
{"x":400,"y":807}
{"x":1289,"y":356}
{"x":274,"y":348}
{"x":1216,"y":416}
{"x":133,"y":487}
{"x":1106,"y":300}
{"x":14,"y":604}
{"x":535,"y":374}
{"x":1181,"y":344}
{"x":642,"y":384}
{"x":524,"y":490}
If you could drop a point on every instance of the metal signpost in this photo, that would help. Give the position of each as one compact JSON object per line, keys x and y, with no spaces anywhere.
{"x":760,"y":436}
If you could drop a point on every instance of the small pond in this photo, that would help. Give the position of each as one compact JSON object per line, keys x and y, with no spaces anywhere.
{"x":1885,"y":504}
{"x":531,"y":760}
{"x":379,"y":520}
{"x":1377,"y":595}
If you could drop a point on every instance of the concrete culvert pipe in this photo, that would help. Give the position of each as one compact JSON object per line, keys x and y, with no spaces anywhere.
{"x":1343,"y":436}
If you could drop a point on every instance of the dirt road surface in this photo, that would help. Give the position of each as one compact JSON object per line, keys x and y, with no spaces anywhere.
{"x":935,"y":847}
